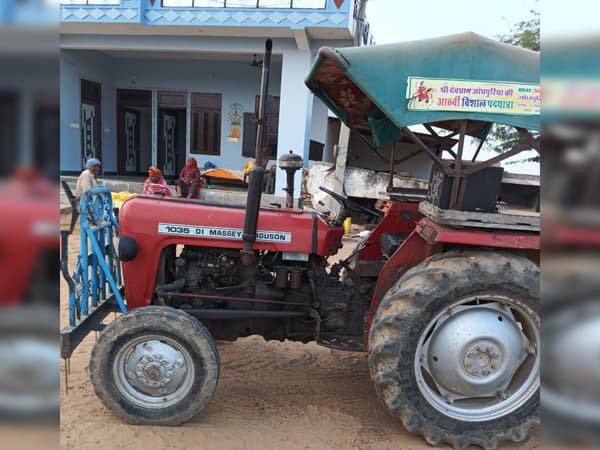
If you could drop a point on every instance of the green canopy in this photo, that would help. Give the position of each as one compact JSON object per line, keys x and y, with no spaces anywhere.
{"x":366,"y":87}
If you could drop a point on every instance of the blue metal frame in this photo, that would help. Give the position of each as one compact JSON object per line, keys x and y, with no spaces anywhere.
{"x":95,"y":288}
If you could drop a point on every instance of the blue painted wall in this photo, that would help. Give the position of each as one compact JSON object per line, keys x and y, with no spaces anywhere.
{"x":97,"y":67}
{"x":142,"y":12}
{"x":236,"y":81}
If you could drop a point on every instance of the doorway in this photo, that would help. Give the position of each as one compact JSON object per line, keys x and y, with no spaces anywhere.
{"x":9,"y":136}
{"x":134,"y":131}
{"x":91,"y":114}
{"x":171,"y":133}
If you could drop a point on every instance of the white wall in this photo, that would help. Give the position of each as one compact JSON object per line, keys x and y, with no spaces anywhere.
{"x":318,"y":130}
{"x":331,"y":139}
{"x":363,"y":156}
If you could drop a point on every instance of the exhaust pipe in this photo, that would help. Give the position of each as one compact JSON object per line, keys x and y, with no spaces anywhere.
{"x":257,"y":171}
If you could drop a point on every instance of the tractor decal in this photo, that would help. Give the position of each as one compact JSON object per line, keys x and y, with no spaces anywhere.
{"x":221,"y":233}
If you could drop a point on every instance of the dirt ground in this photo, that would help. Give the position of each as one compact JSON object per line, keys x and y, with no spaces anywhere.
{"x":271,"y":395}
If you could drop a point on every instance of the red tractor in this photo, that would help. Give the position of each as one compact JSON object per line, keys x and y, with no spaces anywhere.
{"x":447,"y":311}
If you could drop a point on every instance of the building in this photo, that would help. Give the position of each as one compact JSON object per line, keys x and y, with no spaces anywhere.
{"x":29,"y":109}
{"x":153,"y":81}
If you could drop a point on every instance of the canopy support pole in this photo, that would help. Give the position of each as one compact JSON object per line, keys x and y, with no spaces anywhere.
{"x":433,"y":155}
{"x":390,"y":186}
{"x":479,"y":147}
{"x":531,"y":142}
{"x":455,"y":198}
{"x":443,"y":141}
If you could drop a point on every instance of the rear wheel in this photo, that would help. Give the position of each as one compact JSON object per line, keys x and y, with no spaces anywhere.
{"x":453,"y":350}
{"x":155,"y":366}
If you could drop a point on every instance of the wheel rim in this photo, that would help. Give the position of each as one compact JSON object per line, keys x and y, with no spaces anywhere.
{"x":153,"y":372}
{"x":478,"y":359}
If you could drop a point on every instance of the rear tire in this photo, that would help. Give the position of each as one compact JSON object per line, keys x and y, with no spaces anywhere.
{"x":452,"y":332}
{"x":155,"y":366}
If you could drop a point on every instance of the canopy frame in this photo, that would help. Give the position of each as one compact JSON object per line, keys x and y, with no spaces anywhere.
{"x":455,"y":169}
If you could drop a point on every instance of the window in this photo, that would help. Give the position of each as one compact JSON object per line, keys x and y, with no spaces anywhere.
{"x":206,"y":124}
{"x":171,"y":100}
{"x":271,"y":132}
{"x":279,"y":4}
{"x":315,"y":151}
{"x":90,"y":2}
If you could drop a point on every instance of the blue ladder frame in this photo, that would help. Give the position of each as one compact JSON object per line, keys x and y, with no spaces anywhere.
{"x":95,"y":288}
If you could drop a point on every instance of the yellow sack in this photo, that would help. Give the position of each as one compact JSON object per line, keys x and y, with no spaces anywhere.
{"x":119,"y":197}
{"x":248,"y":166}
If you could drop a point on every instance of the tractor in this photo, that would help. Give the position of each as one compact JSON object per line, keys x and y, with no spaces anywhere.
{"x":442,"y":294}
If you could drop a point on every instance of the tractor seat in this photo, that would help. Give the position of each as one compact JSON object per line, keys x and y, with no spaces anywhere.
{"x":390,"y":242}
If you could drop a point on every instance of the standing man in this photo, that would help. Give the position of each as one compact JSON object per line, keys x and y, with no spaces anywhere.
{"x":89,"y":177}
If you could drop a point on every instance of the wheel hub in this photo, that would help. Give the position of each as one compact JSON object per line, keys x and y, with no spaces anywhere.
{"x":483,"y":359}
{"x":474,"y":351}
{"x":155,"y":368}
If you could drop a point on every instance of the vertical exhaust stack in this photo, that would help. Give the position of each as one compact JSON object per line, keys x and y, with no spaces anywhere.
{"x":291,"y":163}
{"x":257,"y":171}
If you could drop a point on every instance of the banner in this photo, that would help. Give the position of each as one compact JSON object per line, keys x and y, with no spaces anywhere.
{"x":493,"y":97}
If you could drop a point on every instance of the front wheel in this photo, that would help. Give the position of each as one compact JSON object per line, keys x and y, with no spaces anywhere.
{"x":155,"y":366}
{"x":453,"y":350}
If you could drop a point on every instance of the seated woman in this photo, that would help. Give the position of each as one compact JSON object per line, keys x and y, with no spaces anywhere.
{"x":190,"y":180}
{"x":156,"y":184}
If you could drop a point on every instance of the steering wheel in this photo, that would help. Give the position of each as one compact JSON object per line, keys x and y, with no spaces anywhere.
{"x":350,"y":205}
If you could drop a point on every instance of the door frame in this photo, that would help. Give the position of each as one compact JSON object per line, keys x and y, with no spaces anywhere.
{"x":96,"y":101}
{"x":123,"y":107}
{"x":174,"y":106}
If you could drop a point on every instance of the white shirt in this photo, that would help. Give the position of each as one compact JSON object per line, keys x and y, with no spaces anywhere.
{"x":85,"y":182}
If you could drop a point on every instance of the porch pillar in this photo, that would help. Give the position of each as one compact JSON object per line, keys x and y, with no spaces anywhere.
{"x":295,"y":111}
{"x":154,"y":127}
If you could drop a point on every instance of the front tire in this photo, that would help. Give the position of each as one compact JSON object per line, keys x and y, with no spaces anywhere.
{"x":453,"y":350}
{"x":155,"y":366}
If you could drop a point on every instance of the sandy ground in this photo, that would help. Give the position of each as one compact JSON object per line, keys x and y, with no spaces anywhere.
{"x":271,"y":395}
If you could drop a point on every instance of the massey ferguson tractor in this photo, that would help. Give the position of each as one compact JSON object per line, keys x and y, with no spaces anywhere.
{"x":442,"y":294}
